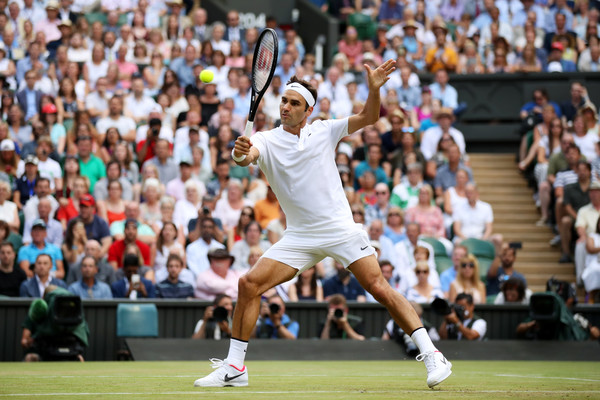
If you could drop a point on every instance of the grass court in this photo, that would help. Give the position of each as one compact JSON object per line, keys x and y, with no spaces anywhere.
{"x":301,"y":380}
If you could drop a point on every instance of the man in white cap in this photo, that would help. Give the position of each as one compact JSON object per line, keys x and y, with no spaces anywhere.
{"x":298,"y":160}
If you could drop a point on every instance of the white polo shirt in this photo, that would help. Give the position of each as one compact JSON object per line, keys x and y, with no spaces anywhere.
{"x":304,"y":177}
{"x":474,"y":219}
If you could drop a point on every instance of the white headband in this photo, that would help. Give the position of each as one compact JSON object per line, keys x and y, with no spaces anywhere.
{"x":296,"y":87}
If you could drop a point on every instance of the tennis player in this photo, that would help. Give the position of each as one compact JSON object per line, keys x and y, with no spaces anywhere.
{"x":298,"y":160}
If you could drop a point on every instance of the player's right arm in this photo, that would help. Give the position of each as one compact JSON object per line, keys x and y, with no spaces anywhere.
{"x":243,"y":146}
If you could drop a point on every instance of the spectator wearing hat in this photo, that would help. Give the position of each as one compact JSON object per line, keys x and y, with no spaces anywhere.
{"x":95,"y":227}
{"x":66,"y":33}
{"x":10,"y":163}
{"x":392,"y":139}
{"x":49,"y":25}
{"x":30,"y":99}
{"x":40,"y":274}
{"x":117,"y":249}
{"x":26,"y":183}
{"x":29,"y":253}
{"x":556,"y":62}
{"x":89,"y":165}
{"x":133,"y":285}
{"x":442,"y":55}
{"x":431,"y":137}
{"x":219,"y":278}
{"x":54,"y":229}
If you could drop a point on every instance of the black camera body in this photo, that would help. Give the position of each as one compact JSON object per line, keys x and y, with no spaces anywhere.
{"x":338,"y":313}
{"x":274,"y":308}
{"x":220,"y":314}
{"x":442,"y":307}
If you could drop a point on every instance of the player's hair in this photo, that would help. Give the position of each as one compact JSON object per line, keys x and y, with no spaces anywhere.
{"x":337,"y":300}
{"x":307,"y":85}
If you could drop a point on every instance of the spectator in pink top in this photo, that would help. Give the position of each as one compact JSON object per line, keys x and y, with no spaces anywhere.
{"x":219,"y":278}
{"x":126,"y":68}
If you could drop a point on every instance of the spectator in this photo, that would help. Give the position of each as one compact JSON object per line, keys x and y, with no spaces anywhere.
{"x":28,"y":254}
{"x":449,"y":275}
{"x":380,"y":209}
{"x":88,"y":287}
{"x":375,"y":230}
{"x":115,"y":118}
{"x":112,"y":209}
{"x":432,"y":136}
{"x":267,"y":209}
{"x":167,"y":169}
{"x":345,"y":284}
{"x":576,"y":195}
{"x":132,"y":285}
{"x":132,"y":212}
{"x":187,"y":208}
{"x":423,"y":291}
{"x":215,"y":325}
{"x":48,"y":167}
{"x":406,"y":194}
{"x":475,"y":218}
{"x":339,"y":323}
{"x":105,"y":273}
{"x":117,"y":249}
{"x":514,"y":291}
{"x":428,"y":216}
{"x":274,"y":323}
{"x":184,"y":66}
{"x":197,"y":251}
{"x":89,"y":165}
{"x":571,"y":107}
{"x":230,"y":205}
{"x":219,"y":278}
{"x":113,"y":173}
{"x":590,"y":61}
{"x":40,"y":277}
{"x":26,"y":183}
{"x":95,"y":227}
{"x":30,"y":98}
{"x":53,"y":227}
{"x":10,"y":277}
{"x":172,"y":287}
{"x":307,"y":287}
{"x":468,"y":325}
{"x":468,"y":281}
{"x":69,"y":208}
{"x":241,"y":249}
{"x":441,"y":56}
{"x":8,"y":210}
{"x":556,"y":62}
{"x":502,"y":269}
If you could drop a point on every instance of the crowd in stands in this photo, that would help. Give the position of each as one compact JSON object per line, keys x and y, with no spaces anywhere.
{"x":116,"y":177}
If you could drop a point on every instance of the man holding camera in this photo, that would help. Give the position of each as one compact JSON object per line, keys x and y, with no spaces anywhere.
{"x":340,"y":324}
{"x":145,"y":148}
{"x":462,"y":322}
{"x":274,"y":323}
{"x":133,"y":285}
{"x":216,"y":322}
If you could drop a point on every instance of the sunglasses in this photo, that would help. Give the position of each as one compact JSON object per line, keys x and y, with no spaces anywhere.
{"x":469,"y":265}
{"x":380,"y":192}
{"x":358,"y":212}
{"x":393,"y":214}
{"x":247,"y":214}
{"x":422,"y":271}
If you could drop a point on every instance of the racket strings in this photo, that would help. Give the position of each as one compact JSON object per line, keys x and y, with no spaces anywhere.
{"x":264,"y":62}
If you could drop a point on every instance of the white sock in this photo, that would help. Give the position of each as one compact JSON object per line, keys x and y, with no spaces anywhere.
{"x":237,"y":353}
{"x":422,"y":340}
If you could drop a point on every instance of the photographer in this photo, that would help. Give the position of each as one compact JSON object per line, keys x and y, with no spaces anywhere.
{"x":461,"y":322}
{"x":132,"y":286}
{"x":216,"y":322}
{"x":274,"y":323}
{"x":340,"y":324}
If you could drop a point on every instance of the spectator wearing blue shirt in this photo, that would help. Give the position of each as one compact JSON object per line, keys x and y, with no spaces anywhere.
{"x":28,"y":254}
{"x":184,"y":66}
{"x":88,"y":287}
{"x":132,"y":285}
{"x":372,"y":164}
{"x":345,"y":284}
{"x":449,"y":275}
{"x":29,"y":98}
{"x":502,"y":268}
{"x":274,"y":323}
{"x":26,"y":64}
{"x":444,"y":92}
{"x":390,"y":12}
{"x":172,"y":287}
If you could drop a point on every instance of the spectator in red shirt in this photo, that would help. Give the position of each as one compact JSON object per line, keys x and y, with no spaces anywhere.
{"x":117,"y":249}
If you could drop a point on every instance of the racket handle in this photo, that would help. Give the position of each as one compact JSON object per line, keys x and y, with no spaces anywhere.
{"x":248,"y":130}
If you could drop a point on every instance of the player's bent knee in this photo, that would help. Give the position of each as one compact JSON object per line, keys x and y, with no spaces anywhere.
{"x":380,"y":290}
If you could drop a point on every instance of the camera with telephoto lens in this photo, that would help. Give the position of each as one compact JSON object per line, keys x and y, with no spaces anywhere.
{"x":274,"y":308}
{"x":442,"y":307}
{"x":220,"y":314}
{"x":338,"y":313}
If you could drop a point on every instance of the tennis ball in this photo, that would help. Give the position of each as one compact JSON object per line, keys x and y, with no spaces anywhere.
{"x":206,"y":76}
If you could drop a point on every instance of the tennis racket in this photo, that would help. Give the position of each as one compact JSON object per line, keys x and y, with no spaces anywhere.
{"x":263,"y":68}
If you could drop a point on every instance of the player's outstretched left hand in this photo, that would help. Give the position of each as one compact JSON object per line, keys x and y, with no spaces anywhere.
{"x":380,"y":75}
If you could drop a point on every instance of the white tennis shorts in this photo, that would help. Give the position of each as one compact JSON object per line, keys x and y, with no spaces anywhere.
{"x":302,"y":251}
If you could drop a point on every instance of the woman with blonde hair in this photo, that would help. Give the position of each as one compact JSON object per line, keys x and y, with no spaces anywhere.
{"x":467,"y":281}
{"x":150,"y":208}
{"x":394,"y":226}
{"x":423,"y":291}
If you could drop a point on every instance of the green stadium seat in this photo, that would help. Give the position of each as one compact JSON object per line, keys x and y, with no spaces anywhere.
{"x":137,"y":320}
{"x":442,"y":261}
{"x":364,"y":24}
{"x":485,"y":253}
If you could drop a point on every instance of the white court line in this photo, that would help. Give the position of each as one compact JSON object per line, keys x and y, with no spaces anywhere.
{"x":189,"y":376}
{"x":238,"y":392}
{"x":548,"y":377}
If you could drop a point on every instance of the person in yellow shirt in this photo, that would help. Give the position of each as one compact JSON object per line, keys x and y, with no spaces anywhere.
{"x":443,"y":55}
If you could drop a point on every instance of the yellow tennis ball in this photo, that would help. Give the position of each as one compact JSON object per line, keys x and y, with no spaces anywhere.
{"x":207,"y":76}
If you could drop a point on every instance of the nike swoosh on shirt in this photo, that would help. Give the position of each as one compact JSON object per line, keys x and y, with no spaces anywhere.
{"x":227,"y":378}
{"x":363,"y":248}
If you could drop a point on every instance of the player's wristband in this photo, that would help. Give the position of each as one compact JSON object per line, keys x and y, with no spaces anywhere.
{"x":237,"y":159}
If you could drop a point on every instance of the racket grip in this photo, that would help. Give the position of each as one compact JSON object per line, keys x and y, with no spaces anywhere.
{"x":248,"y":130}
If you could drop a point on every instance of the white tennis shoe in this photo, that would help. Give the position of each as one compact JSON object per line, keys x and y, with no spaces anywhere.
{"x":224,"y":375}
{"x":438,"y":368}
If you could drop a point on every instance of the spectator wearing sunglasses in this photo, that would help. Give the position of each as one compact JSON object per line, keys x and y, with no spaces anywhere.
{"x":467,"y":281}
